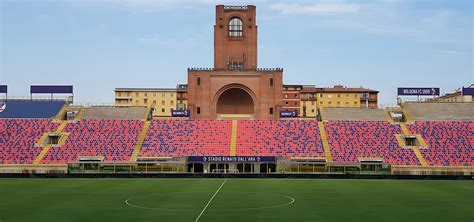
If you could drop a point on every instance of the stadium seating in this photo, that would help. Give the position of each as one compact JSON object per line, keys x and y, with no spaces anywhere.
{"x":135,"y":113}
{"x":31,"y":109}
{"x":287,"y":138}
{"x":439,"y":111}
{"x":351,"y":140}
{"x":112,"y":139}
{"x":187,"y":138}
{"x":18,"y":138}
{"x":450,"y":143}
{"x":351,"y":114}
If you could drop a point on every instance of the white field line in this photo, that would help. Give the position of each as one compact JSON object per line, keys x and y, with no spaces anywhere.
{"x":212,"y":198}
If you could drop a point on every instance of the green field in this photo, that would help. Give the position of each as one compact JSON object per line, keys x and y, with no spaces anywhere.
{"x":236,"y":200}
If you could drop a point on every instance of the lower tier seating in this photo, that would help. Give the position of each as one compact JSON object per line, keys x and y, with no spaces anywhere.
{"x":288,"y":138}
{"x":351,"y":140}
{"x":112,"y":139}
{"x":18,"y":138}
{"x":187,"y":138}
{"x":450,"y":143}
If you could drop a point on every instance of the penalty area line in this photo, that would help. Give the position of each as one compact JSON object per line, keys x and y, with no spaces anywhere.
{"x":209,"y":202}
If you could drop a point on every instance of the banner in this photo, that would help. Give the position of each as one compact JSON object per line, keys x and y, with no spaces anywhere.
{"x":288,"y":114}
{"x":232,"y":159}
{"x":51,"y":89}
{"x":418,"y":91}
{"x":467,"y":91}
{"x":3,"y":106}
{"x":180,"y":113}
{"x":3,"y":88}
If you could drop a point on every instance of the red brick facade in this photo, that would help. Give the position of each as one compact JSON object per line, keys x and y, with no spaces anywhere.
{"x":235,"y":72}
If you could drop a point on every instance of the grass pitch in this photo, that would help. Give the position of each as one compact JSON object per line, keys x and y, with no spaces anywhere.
{"x":237,"y":200}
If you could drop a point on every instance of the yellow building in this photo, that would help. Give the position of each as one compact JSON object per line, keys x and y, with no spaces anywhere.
{"x":454,"y":97}
{"x":160,"y":100}
{"x":313,"y":99}
{"x":309,"y":103}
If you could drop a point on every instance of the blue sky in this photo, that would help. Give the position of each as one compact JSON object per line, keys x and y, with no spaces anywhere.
{"x":98,"y":45}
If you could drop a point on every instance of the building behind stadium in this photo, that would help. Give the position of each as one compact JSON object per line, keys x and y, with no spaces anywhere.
{"x":236,"y":87}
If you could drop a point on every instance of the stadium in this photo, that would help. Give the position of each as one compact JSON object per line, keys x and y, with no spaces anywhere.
{"x":235,"y":143}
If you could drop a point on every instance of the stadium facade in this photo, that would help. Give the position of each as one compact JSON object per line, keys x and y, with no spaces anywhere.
{"x":229,"y":119}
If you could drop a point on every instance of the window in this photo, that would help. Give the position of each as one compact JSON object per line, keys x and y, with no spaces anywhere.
{"x":234,"y":65}
{"x":235,"y":27}
{"x":163,"y":103}
{"x":330,"y":96}
{"x":136,"y":94}
{"x":321,"y":103}
{"x":286,"y":96}
{"x":347,"y":95}
{"x":146,"y":94}
{"x":296,"y":103}
{"x":163,"y":95}
{"x":312,"y":110}
{"x":338,"y":95}
{"x":199,"y":81}
{"x":172,"y":94}
{"x":286,"y":103}
{"x":154,"y":95}
{"x":163,"y":110}
{"x":271,"y":81}
{"x":271,"y":110}
{"x":198,"y":111}
{"x":172,"y":102}
{"x":329,"y":102}
{"x":296,"y":95}
{"x":321,"y":95}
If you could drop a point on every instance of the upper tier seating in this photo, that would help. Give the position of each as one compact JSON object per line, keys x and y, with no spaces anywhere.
{"x":135,"y":113}
{"x":440,"y":111}
{"x":187,"y":138}
{"x":351,"y":140}
{"x":112,"y":139}
{"x":450,"y":143}
{"x":353,"y":114}
{"x":31,"y":109}
{"x":289,"y":138}
{"x":18,"y":138}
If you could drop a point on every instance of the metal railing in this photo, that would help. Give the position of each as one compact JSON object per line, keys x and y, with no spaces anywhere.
{"x":240,"y":70}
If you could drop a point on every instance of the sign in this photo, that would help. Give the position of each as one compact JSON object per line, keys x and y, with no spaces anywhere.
{"x":51,"y":89}
{"x":232,"y":159}
{"x":467,"y":91}
{"x":418,"y":91}
{"x":180,"y":113}
{"x":3,"y":106}
{"x":3,"y":88}
{"x":288,"y":114}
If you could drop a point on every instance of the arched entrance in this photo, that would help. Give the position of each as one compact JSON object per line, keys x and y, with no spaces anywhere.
{"x":235,"y":101}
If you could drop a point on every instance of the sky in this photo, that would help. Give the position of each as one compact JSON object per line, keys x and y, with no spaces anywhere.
{"x":100,"y":45}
